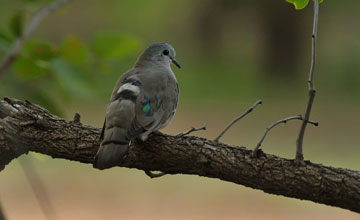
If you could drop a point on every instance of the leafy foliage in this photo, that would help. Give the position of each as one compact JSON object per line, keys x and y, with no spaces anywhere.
{"x":75,"y":51}
{"x":70,"y":70}
{"x":49,"y":73}
{"x":16,"y":23}
{"x":301,"y":4}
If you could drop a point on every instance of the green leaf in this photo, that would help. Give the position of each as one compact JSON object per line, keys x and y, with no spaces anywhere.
{"x":28,"y":68}
{"x":5,"y":42}
{"x":40,"y":50}
{"x":42,"y":98}
{"x":114,"y":46}
{"x":5,"y":37}
{"x":16,"y":23}
{"x":75,"y":51}
{"x":70,"y":79}
{"x":37,"y":1}
{"x":300,"y":4}
{"x":35,"y":59}
{"x":40,"y":92}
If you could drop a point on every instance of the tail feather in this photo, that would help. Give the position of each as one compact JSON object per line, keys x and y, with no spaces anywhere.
{"x":110,"y":154}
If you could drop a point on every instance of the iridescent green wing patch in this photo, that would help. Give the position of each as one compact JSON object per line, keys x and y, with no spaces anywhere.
{"x":157,"y":101}
{"x":146,"y":106}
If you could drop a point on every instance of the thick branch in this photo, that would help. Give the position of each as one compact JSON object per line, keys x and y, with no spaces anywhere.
{"x":299,"y":142}
{"x":30,"y":28}
{"x":26,"y":127}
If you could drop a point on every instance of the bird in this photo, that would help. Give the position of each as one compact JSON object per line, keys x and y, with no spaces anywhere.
{"x":143,"y":101}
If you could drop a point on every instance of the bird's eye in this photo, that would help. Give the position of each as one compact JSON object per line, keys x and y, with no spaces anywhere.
{"x":166,"y":52}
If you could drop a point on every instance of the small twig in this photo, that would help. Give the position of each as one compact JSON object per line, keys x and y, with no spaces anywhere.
{"x":237,"y":119}
{"x":154,"y":175}
{"x":76,"y":119}
{"x":39,"y":189}
{"x":30,"y":28}
{"x":192,"y":129}
{"x":277,"y":123}
{"x":299,"y":159}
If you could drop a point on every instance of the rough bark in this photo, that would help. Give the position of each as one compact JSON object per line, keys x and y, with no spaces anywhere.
{"x":27,"y":127}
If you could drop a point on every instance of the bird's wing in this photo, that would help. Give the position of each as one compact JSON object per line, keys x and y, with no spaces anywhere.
{"x":115,"y":98}
{"x":149,"y":103}
{"x":120,"y":114}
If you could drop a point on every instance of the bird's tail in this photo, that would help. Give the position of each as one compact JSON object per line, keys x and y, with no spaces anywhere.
{"x":113,"y":149}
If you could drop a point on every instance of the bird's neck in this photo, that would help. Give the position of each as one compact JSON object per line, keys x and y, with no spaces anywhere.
{"x":142,"y":62}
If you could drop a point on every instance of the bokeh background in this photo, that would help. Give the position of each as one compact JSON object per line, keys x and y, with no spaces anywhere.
{"x":232,"y":53}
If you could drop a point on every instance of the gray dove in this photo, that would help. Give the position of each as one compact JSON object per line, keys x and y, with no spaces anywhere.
{"x":144,"y":100}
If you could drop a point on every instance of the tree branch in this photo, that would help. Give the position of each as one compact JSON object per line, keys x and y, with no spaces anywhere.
{"x":27,"y":127}
{"x":312,"y":91}
{"x":30,"y":28}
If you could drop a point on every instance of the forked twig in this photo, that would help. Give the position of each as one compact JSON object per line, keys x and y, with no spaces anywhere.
{"x":299,"y":159}
{"x":30,"y":28}
{"x":258,"y":102}
{"x":299,"y":117}
{"x":203,"y":127}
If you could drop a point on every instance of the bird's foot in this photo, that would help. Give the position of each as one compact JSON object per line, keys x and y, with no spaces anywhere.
{"x":157,"y":132}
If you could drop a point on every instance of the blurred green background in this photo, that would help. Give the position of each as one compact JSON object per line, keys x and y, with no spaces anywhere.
{"x":232,"y":53}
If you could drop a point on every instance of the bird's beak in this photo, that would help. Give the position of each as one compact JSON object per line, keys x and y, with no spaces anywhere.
{"x":173,"y":60}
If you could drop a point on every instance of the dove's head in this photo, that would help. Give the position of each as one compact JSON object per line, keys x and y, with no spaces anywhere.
{"x":162,"y":54}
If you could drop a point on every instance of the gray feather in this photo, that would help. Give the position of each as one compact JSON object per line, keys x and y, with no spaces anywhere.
{"x":102,"y":131}
{"x":110,"y":154}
